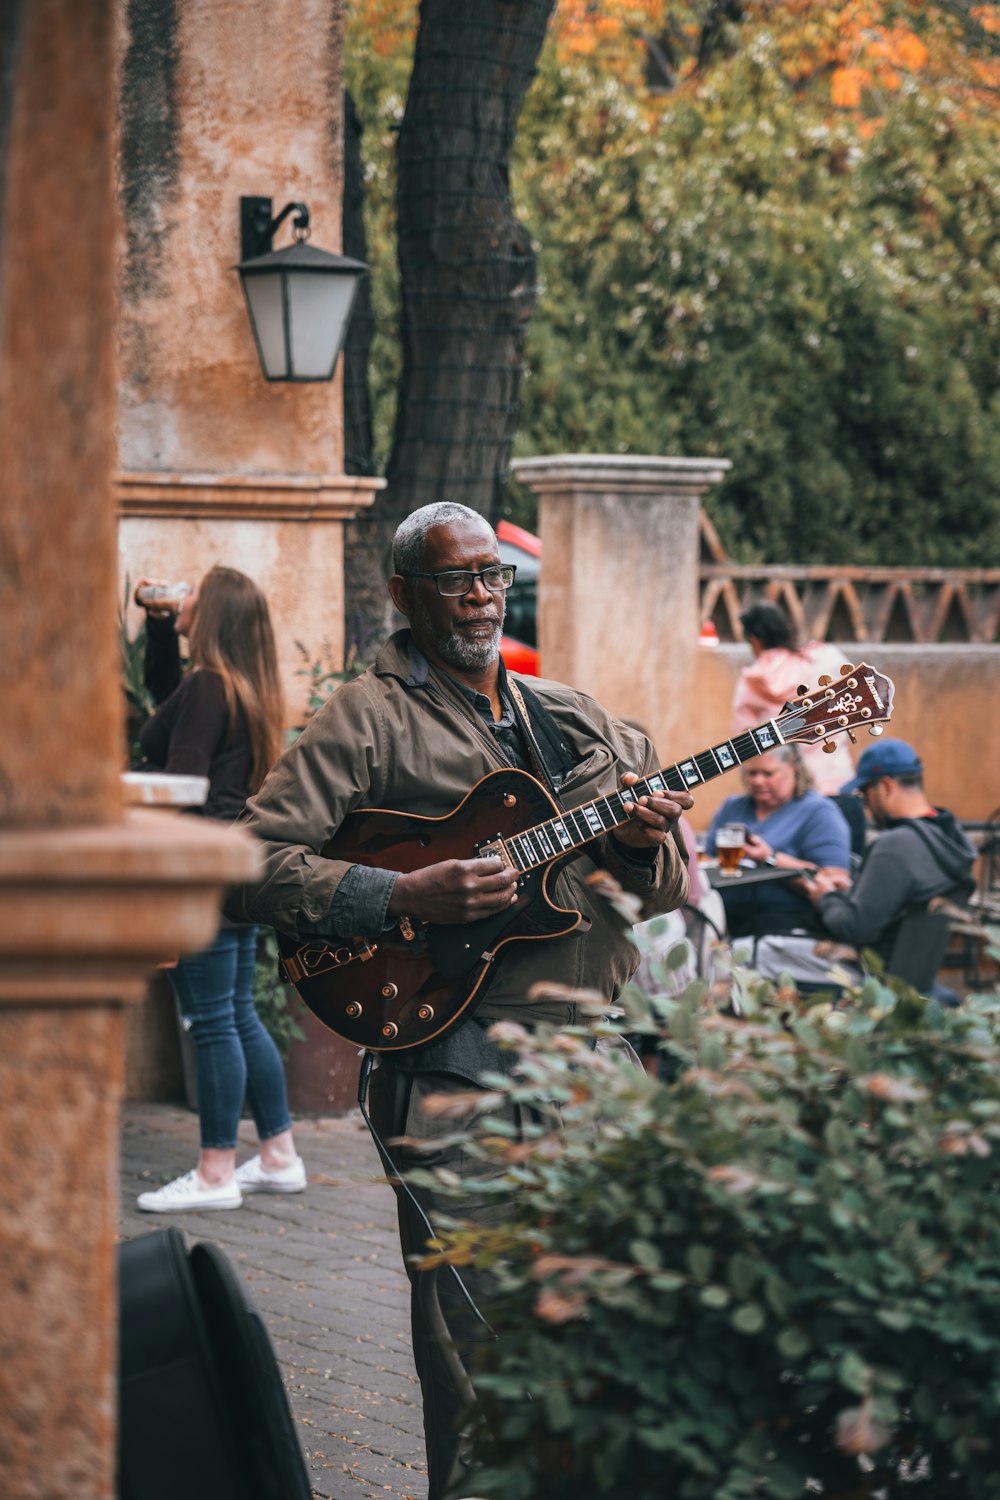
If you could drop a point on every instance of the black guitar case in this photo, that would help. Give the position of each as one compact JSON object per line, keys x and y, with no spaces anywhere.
{"x":203,"y":1411}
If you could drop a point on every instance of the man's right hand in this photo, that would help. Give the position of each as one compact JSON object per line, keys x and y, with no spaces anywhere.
{"x":456,"y":890}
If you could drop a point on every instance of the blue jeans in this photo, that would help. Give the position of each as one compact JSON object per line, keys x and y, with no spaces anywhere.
{"x":237,"y":1057}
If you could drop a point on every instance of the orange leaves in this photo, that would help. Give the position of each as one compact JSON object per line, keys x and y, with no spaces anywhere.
{"x":859,"y":1432}
{"x":911,"y":52}
{"x":847,"y":86}
{"x":988,"y":17}
{"x":873,"y":56}
{"x":559,"y":1307}
{"x":613,"y":31}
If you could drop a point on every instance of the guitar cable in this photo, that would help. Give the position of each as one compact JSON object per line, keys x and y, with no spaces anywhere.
{"x":397,"y":1178}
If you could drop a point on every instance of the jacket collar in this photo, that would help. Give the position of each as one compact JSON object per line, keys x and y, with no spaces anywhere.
{"x":401,"y":657}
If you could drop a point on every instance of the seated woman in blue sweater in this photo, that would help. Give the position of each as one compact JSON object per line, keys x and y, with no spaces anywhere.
{"x":789,"y":826}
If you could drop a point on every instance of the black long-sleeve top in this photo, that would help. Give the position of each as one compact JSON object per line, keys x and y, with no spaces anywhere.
{"x":189,"y":734}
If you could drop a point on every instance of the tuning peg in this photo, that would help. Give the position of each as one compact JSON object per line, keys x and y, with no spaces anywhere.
{"x":876,"y":730}
{"x":852,"y":737}
{"x":825,"y":680}
{"x":802,"y":689}
{"x":828,"y":747}
{"x":846,"y":669}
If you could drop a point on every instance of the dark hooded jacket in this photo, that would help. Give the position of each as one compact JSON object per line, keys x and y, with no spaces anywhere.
{"x":908,"y":864}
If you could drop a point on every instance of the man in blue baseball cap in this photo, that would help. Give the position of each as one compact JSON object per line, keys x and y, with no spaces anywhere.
{"x":886,"y":758}
{"x":920,"y":852}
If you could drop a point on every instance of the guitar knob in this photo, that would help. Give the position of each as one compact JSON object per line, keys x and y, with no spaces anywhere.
{"x":389,"y":991}
{"x":425,"y":1013}
{"x":846,"y":668}
{"x":509,"y":800}
{"x":353,"y":1010}
{"x":876,"y":730}
{"x":390,"y":1030}
{"x":825,"y":680}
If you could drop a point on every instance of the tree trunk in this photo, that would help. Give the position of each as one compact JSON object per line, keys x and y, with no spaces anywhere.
{"x":358,"y":447}
{"x":467,"y":280}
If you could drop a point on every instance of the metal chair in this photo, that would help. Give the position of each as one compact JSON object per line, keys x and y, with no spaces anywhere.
{"x":921,"y":944}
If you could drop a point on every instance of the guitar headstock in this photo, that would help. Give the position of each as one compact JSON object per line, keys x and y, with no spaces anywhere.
{"x":861,"y":697}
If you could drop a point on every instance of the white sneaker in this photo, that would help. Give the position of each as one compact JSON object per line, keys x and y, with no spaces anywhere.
{"x":254,"y":1177}
{"x":189,"y":1192}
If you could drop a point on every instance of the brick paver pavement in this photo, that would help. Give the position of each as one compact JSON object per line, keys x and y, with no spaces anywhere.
{"x":323,"y":1267}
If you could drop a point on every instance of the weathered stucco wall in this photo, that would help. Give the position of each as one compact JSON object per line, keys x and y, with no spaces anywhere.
{"x":298,"y":565}
{"x":221,"y":99}
{"x":618,"y":617}
{"x":56,"y":391}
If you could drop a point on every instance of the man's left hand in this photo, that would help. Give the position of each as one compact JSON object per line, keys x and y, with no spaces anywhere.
{"x":651,"y":817}
{"x":824,"y":881}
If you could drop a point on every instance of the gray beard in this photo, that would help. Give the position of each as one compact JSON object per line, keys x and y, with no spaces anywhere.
{"x":457,"y":650}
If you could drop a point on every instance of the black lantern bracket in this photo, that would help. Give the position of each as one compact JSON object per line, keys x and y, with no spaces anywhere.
{"x":299,"y":298}
{"x":258,"y":228}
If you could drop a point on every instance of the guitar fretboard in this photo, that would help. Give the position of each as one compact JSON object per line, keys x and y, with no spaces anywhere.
{"x":545,"y":842}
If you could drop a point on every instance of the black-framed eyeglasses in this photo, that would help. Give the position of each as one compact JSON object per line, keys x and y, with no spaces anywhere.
{"x":458,"y":581}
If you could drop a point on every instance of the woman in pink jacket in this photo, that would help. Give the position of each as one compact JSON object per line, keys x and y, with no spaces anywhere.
{"x":778,"y":669}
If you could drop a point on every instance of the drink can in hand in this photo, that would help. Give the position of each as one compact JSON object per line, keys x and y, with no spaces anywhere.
{"x":169,"y":596}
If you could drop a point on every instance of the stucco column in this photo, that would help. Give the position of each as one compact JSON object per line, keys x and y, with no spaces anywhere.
{"x":221,"y":100}
{"x":618,"y":594}
{"x":89,"y":897}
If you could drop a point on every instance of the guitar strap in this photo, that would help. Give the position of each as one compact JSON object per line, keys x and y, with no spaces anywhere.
{"x":540,"y":728}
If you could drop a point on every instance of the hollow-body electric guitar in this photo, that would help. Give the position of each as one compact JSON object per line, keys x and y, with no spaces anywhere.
{"x":417,"y":981}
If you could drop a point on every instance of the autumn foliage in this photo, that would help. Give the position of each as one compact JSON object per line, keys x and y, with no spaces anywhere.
{"x":854,"y":54}
{"x":765,"y":231}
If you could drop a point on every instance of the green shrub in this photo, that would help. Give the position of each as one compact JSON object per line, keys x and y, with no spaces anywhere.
{"x":271,"y":995}
{"x":777,"y":1275}
{"x":323,"y":677}
{"x":138,"y":701}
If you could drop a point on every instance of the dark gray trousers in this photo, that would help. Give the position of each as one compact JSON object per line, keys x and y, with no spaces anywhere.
{"x":445,"y":1328}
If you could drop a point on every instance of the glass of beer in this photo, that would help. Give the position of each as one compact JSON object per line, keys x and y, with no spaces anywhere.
{"x":730,"y":845}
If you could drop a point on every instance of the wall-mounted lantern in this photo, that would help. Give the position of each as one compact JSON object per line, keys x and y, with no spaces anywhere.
{"x":299,"y":299}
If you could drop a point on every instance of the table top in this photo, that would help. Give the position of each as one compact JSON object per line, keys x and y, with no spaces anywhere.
{"x":158,"y":789}
{"x":755,"y":875}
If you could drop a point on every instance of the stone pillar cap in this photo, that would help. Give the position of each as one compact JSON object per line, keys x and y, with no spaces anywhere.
{"x":621,"y":471}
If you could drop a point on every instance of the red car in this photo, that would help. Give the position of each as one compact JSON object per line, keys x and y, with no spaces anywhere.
{"x":518,"y":646}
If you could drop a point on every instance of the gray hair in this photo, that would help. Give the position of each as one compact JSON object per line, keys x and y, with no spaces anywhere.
{"x":793,"y":755}
{"x":411,"y":533}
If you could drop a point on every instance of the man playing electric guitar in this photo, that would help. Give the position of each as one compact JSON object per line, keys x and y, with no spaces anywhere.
{"x":415,"y":734}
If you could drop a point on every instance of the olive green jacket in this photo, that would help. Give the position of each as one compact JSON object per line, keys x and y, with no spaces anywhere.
{"x":408,"y":740}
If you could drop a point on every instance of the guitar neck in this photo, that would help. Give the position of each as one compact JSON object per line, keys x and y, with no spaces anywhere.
{"x":538,"y":846}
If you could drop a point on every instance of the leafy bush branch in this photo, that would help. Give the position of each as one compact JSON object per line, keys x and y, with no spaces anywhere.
{"x":776,"y":1275}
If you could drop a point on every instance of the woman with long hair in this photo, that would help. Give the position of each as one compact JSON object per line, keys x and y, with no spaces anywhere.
{"x":223,"y":718}
{"x":779,"y":667}
{"x":788,"y":826}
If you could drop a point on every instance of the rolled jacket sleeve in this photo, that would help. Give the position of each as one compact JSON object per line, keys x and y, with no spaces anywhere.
{"x":338,"y":764}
